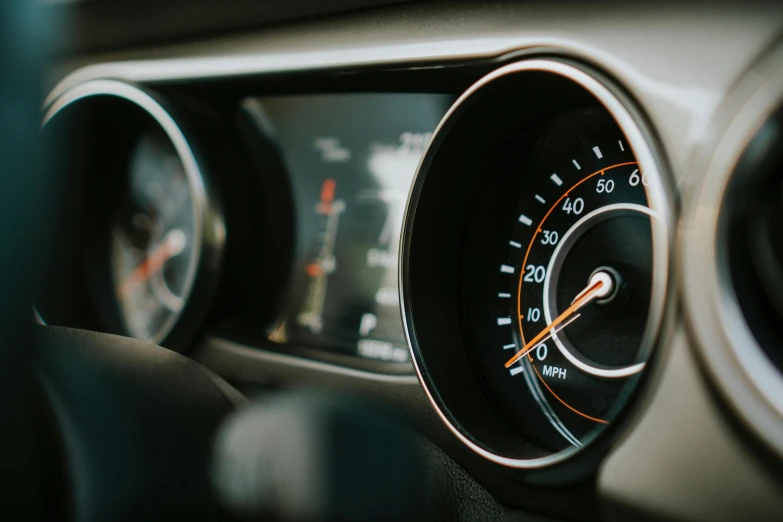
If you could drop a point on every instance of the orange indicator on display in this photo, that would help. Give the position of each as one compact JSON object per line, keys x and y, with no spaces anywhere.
{"x":327,"y":196}
{"x":313,"y":270}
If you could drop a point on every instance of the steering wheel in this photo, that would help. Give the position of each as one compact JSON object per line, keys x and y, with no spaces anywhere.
{"x":94,"y":427}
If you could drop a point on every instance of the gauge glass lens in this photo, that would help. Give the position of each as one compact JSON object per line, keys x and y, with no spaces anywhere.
{"x":152,"y":240}
{"x":571,"y":281}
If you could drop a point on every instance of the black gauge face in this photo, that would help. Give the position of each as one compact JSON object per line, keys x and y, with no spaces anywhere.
{"x":562,"y":314}
{"x":154,"y":250}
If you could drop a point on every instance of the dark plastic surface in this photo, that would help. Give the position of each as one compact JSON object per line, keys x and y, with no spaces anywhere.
{"x":136,"y":422}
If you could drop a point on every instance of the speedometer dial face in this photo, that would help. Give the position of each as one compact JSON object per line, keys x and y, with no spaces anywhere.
{"x":571,"y":284}
{"x":154,"y":240}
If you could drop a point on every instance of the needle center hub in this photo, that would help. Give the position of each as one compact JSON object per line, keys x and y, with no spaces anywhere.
{"x":611,"y":283}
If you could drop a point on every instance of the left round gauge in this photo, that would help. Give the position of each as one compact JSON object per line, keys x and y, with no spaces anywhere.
{"x":153,"y":239}
{"x":152,"y":231}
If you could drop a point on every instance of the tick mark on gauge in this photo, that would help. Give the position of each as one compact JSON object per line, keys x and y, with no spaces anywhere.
{"x":507,"y":269}
{"x":517,"y":370}
{"x":515,"y":244}
{"x":598,"y":153}
{"x":508,"y":346}
{"x":577,"y":165}
{"x":504,"y":321}
{"x":556,"y":179}
{"x":621,"y":145}
{"x":504,"y":295}
{"x":525,"y":220}
{"x":540,"y":199}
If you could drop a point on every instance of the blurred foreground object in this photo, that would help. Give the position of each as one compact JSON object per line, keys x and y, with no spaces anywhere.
{"x":26,"y":31}
{"x":134,"y":422}
{"x":307,"y":457}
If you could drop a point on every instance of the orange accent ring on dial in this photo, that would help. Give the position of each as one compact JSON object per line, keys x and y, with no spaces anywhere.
{"x":522,"y":271}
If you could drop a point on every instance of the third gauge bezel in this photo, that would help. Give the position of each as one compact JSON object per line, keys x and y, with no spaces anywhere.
{"x":733,"y":356}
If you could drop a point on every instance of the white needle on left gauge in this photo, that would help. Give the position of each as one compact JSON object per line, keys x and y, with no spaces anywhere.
{"x":172,"y":245}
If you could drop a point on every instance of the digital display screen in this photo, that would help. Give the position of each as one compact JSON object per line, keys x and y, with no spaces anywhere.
{"x":351,"y":160}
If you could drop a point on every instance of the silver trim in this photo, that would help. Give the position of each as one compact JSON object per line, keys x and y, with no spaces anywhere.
{"x":239,"y":65}
{"x":214,"y":350}
{"x":658,"y":195}
{"x":202,"y":217}
{"x":737,"y":363}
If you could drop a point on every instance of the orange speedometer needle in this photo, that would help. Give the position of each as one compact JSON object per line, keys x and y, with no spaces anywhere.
{"x":173,"y":244}
{"x":600,"y":286}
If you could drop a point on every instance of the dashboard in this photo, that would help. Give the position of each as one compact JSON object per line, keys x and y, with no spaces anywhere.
{"x":548,"y":236}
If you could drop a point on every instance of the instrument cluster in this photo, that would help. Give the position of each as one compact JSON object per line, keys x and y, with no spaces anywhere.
{"x":503,"y":231}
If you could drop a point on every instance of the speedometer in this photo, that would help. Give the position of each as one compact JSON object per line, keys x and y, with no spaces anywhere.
{"x":573,"y":277}
{"x":535,"y":262}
